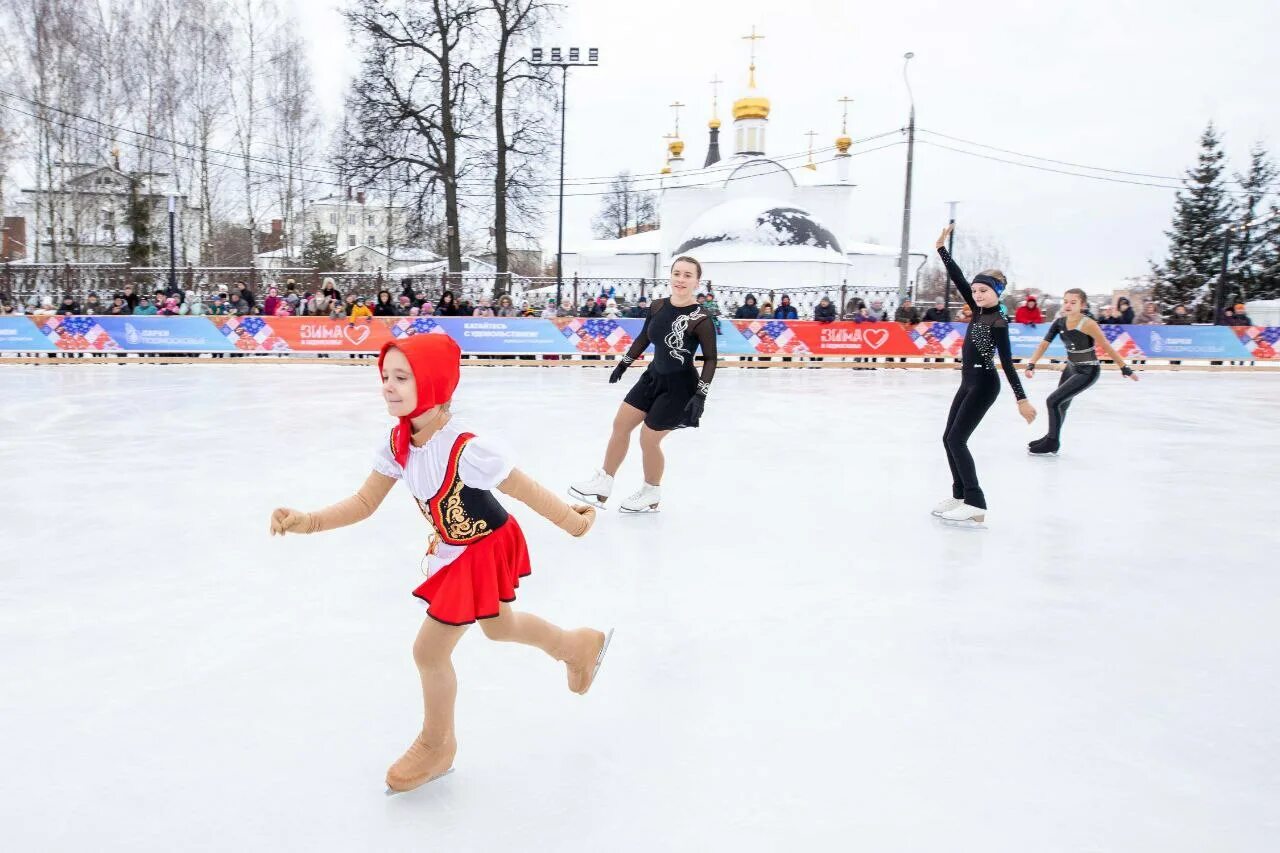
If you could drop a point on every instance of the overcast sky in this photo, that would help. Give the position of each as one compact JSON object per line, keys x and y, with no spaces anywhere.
{"x":1109,"y":83}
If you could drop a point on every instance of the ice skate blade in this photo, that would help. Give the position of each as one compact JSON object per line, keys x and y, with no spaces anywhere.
{"x":599,"y":660}
{"x":391,"y":792}
{"x":972,"y":524}
{"x":594,"y":500}
{"x":625,"y":511}
{"x":1042,"y":455}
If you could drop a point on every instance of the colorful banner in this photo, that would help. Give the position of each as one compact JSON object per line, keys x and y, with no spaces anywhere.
{"x":19,"y":334}
{"x":596,"y":336}
{"x":1179,"y":342}
{"x":304,"y":334}
{"x":1262,"y":342}
{"x":150,"y":334}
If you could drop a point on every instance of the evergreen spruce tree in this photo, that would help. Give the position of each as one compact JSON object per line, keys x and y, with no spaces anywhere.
{"x":141,"y":246}
{"x":1201,"y":215}
{"x":1249,"y":246}
{"x":1266,"y":266}
{"x":321,"y":252}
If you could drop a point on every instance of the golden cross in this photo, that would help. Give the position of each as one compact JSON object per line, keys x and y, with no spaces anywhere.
{"x":753,"y":38}
{"x":676,"y":106}
{"x":715,"y":96}
{"x":811,"y":165}
{"x":844,"y":120}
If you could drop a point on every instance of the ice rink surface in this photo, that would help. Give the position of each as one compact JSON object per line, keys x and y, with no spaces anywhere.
{"x":804,"y":658}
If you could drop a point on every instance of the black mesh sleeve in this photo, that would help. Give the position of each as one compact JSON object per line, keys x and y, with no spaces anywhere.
{"x":1000,"y":334}
{"x":957,"y":278}
{"x":706,"y":333}
{"x":641,"y":343}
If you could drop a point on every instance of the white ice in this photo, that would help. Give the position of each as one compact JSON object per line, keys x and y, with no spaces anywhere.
{"x":804,"y":658}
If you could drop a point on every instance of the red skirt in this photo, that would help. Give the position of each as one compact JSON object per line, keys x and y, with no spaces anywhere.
{"x":487,"y":573}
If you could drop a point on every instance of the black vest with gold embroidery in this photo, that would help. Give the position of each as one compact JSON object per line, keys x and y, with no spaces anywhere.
{"x":459,"y":514}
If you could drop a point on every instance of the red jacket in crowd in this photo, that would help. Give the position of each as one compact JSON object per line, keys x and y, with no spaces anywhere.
{"x":1029,"y":312}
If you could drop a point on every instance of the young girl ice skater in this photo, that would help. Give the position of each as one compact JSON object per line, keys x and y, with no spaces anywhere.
{"x":670,"y":393}
{"x":987,"y":336}
{"x":477,"y":554}
{"x":1080,"y":334}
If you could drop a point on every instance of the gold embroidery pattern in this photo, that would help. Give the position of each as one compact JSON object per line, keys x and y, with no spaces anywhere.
{"x":458,"y":524}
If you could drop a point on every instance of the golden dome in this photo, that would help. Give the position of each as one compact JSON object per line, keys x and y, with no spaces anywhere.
{"x":676,"y":147}
{"x":714,"y":124}
{"x":753,"y":107}
{"x":843,"y":143}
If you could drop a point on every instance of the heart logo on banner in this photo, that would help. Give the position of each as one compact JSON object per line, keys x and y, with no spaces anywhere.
{"x":876,"y":338}
{"x":356,"y":334}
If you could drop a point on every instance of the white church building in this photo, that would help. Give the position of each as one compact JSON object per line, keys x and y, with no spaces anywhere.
{"x":754,"y":223}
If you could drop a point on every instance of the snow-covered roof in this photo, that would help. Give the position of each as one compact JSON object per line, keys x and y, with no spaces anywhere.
{"x":758,"y":221}
{"x":728,"y":253}
{"x":872,"y":249}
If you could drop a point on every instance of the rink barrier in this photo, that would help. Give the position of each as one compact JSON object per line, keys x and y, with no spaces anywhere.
{"x":569,"y":337}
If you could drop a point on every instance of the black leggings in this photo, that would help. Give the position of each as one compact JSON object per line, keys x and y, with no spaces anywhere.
{"x":978,"y":390}
{"x":1075,"y":379}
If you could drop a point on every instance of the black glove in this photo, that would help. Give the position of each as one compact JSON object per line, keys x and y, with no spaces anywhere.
{"x":620,"y":368}
{"x":693,"y":409}
{"x":1126,"y":371}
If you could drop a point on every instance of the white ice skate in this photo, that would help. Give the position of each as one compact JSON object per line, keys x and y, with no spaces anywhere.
{"x":594,"y":491}
{"x":645,"y":500}
{"x":965,"y":516}
{"x":948,"y":504}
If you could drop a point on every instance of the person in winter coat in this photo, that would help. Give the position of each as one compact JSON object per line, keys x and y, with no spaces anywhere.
{"x":119,"y":307}
{"x":427,"y":309}
{"x":825,"y":312}
{"x":130,"y":297}
{"x":69,"y":306}
{"x":169,"y":308}
{"x":748,"y":309}
{"x":337,"y":311}
{"x":1180,"y":317}
{"x":1242,"y":319}
{"x":548,"y":311}
{"x":466,"y":309}
{"x":766,"y":312}
{"x":566,"y":308}
{"x":296,"y":303}
{"x":938,"y":313}
{"x":448,"y":306}
{"x":1124,"y":308}
{"x":92,"y":306}
{"x":906,"y":313}
{"x":145,"y":308}
{"x":360,"y":311}
{"x":877,"y":312}
{"x":219,"y":308}
{"x":193,"y":307}
{"x":404,"y":305}
{"x":640,"y":310}
{"x":485,"y":309}
{"x":785,"y":310}
{"x":863,"y":315}
{"x":330,"y":289}
{"x":1029,"y":312}
{"x":272,"y":302}
{"x":384,"y":307}
{"x":1150,"y":315}
{"x":712,"y":307}
{"x":506,"y":308}
{"x":611,"y":309}
{"x":319,"y":303}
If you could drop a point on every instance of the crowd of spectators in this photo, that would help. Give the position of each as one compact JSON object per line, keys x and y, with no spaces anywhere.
{"x":290,"y":300}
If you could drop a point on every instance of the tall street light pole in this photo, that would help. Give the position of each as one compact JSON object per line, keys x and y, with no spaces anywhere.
{"x":562,"y":61}
{"x":906,"y":204}
{"x":173,"y":246}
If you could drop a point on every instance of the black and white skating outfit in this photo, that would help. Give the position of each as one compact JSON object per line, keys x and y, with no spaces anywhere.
{"x":1078,"y":376}
{"x":987,"y":336}
{"x":671,"y":381}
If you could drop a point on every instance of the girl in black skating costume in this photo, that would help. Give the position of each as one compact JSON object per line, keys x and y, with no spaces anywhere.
{"x":669,"y":395}
{"x":987,"y":335}
{"x":1080,"y":334}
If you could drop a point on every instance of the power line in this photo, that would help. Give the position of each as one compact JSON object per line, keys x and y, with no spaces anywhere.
{"x":652,"y":177}
{"x":1060,"y":162}
{"x":239,"y":169}
{"x":1065,"y":172}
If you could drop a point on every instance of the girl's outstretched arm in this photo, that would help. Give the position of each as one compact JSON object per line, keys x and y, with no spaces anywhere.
{"x":1093,"y":330}
{"x":356,"y":508}
{"x":574,"y":520}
